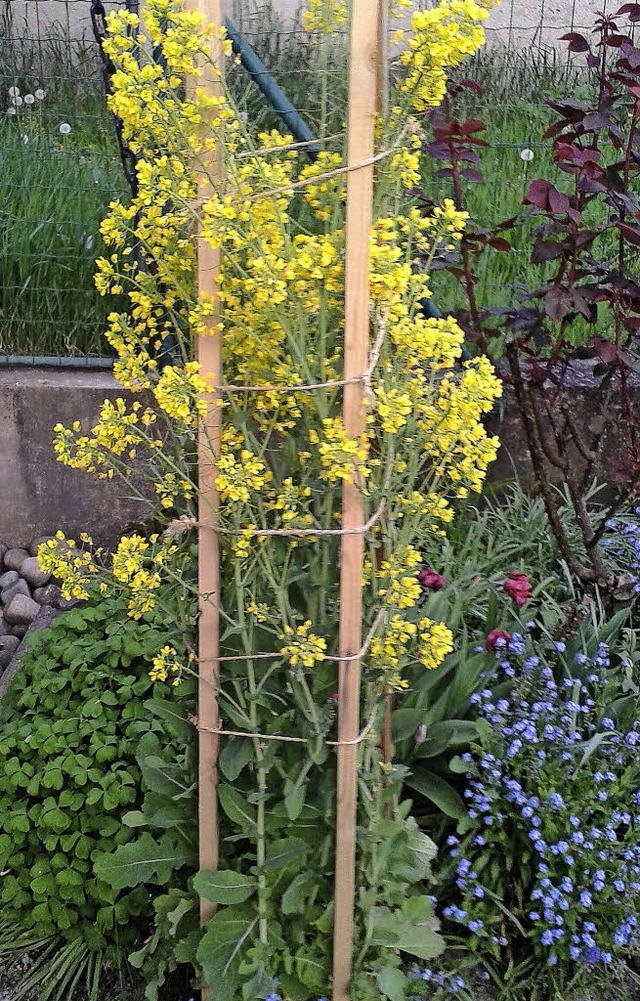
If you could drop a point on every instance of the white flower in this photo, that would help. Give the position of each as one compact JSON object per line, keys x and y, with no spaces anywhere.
{"x":29,"y":99}
{"x":17,"y":101}
{"x":25,"y":140}
{"x":40,"y":94}
{"x":14,"y":92}
{"x":11,"y":111}
{"x":64,"y":128}
{"x":526,"y":155}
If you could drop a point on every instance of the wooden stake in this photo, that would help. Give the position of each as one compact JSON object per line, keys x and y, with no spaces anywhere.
{"x":363,"y":78}
{"x":209,"y":355}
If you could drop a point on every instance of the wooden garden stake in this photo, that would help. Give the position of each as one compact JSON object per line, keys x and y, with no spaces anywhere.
{"x":363,"y":78}
{"x":209,"y":355}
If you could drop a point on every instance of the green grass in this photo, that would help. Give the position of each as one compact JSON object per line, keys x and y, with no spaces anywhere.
{"x":54,"y":190}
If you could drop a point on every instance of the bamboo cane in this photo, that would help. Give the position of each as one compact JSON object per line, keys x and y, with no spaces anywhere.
{"x":364,"y":58}
{"x":209,"y":356}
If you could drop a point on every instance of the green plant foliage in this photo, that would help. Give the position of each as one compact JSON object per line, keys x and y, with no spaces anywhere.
{"x":74,"y":720}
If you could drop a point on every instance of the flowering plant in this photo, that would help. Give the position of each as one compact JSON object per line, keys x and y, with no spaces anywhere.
{"x":547,"y":863}
{"x":279,"y":469}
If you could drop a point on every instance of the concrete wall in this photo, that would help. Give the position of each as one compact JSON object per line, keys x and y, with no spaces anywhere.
{"x":515,"y":23}
{"x":38,"y":495}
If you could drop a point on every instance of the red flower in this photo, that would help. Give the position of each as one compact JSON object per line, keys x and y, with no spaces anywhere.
{"x":431,"y":580}
{"x":518,"y":587}
{"x":493,"y":639}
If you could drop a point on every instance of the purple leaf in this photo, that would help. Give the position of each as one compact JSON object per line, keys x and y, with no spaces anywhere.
{"x":577,"y":43}
{"x":557,"y":303}
{"x":538,"y":193}
{"x":472,"y":175}
{"x":558,"y":202}
{"x":545,"y":250}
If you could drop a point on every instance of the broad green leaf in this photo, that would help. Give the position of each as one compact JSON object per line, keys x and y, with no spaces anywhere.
{"x":284,"y":852}
{"x":138,"y":861}
{"x":176,"y":715}
{"x":422,"y":848}
{"x":221,"y":949}
{"x":294,"y":798}
{"x":224,"y":886}
{"x":439,"y":791}
{"x":392,"y":983}
{"x":236,"y":808}
{"x":417,"y":909}
{"x":312,"y":971}
{"x":420,"y":940}
{"x":134,"y":818}
{"x":294,"y":898}
{"x":404,"y":722}
{"x":236,"y":755}
{"x":458,"y":766}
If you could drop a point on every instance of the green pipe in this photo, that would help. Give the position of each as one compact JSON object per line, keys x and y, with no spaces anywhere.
{"x":274,"y":95}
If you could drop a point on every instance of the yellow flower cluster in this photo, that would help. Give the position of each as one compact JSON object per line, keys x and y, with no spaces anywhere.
{"x":441,"y":38}
{"x":137,"y":565}
{"x":304,"y":647}
{"x":392,"y":652}
{"x":399,"y":577}
{"x":341,"y":458}
{"x":393,"y":409}
{"x":177,"y":393}
{"x":436,"y":641}
{"x":327,"y":194}
{"x":239,"y":475}
{"x":73,"y":566}
{"x":325,"y":16}
{"x":166,"y":663}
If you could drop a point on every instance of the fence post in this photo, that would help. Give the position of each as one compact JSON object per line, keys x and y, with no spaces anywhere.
{"x":364,"y":76}
{"x":209,"y":355}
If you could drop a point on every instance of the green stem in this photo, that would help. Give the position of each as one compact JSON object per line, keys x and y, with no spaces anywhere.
{"x":247,"y":632}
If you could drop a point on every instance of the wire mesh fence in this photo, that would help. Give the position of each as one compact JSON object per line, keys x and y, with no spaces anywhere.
{"x":61,"y":167}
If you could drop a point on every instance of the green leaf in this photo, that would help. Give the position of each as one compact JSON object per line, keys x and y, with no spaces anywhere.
{"x":222,"y":948}
{"x":458,"y":766}
{"x":404,"y":722}
{"x":138,"y":861}
{"x":417,"y":909}
{"x":177,"y":716}
{"x":311,"y":971}
{"x":392,"y":983}
{"x":294,"y":795}
{"x":224,"y":886}
{"x":236,"y":755}
{"x":439,"y":791}
{"x":294,"y":898}
{"x":236,"y":808}
{"x":394,"y":931}
{"x":422,"y":848}
{"x":134,"y":818}
{"x":285,"y":852}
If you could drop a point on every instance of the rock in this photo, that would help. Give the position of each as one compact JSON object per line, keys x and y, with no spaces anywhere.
{"x":20,"y":587}
{"x":9,"y":579}
{"x":18,"y":631}
{"x":52,"y":595}
{"x":31,"y":572}
{"x":8,"y":647}
{"x":21,"y":610}
{"x":14,"y":558}
{"x":3,"y":550}
{"x":35,"y":543}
